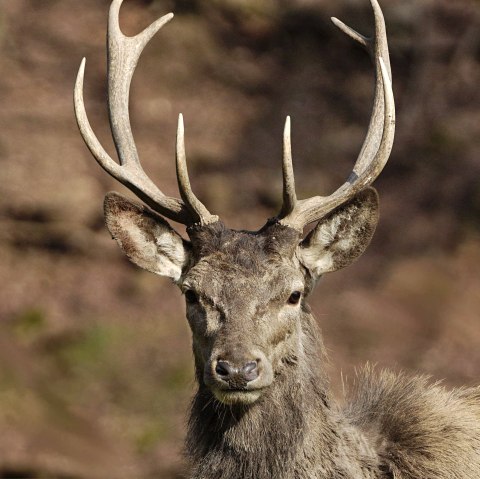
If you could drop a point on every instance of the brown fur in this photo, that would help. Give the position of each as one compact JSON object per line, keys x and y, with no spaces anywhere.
{"x":418,"y":429}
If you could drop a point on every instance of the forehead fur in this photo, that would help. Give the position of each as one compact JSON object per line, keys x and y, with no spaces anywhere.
{"x":241,"y":271}
{"x":244,"y":248}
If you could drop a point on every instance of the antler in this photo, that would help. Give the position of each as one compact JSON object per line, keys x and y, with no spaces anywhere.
{"x":376,"y":147}
{"x":123,"y":54}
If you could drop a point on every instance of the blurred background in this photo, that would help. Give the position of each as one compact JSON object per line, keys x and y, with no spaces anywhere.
{"x":95,"y":361}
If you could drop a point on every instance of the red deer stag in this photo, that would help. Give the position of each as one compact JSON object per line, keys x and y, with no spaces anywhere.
{"x":263,"y":408}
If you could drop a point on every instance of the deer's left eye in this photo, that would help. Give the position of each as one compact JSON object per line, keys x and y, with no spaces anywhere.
{"x":294,"y":298}
{"x":191,"y":296}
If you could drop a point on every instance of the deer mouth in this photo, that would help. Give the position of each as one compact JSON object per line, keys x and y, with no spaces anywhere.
{"x":237,"y":396}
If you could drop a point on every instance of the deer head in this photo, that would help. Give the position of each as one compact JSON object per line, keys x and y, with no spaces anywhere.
{"x":245,"y":291}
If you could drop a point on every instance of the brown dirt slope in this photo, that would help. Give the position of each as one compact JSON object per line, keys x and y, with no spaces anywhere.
{"x":95,"y":368}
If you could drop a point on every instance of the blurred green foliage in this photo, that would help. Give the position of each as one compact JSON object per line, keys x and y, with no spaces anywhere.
{"x":29,"y":324}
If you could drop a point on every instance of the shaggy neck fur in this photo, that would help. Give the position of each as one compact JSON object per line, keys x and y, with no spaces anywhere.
{"x":293,"y":431}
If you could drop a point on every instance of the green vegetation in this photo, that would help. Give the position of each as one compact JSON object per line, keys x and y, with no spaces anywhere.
{"x":29,"y":324}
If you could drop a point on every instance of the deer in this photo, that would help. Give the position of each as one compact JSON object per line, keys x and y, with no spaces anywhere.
{"x":263,"y":407}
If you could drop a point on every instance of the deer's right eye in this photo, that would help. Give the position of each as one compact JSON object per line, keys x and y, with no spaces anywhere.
{"x":295,"y":297}
{"x":191,"y":296}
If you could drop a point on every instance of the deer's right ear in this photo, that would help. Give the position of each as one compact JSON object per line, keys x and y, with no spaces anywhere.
{"x":145,"y":237}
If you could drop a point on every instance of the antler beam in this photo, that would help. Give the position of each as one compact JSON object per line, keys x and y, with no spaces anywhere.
{"x":123,"y":55}
{"x":376,"y":147}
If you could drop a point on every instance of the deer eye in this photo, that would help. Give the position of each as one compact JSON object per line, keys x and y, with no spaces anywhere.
{"x":191,"y":296}
{"x":294,"y":297}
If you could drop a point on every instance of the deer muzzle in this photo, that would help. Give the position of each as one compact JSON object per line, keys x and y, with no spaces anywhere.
{"x":236,"y":377}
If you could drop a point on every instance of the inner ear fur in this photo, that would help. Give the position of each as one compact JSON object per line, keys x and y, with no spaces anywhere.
{"x":341,"y":236}
{"x":145,"y":237}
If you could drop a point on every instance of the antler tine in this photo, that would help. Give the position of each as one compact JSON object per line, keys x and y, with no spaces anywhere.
{"x":95,"y":147}
{"x":123,"y":55}
{"x":289,"y":195}
{"x":382,"y":121}
{"x":358,"y":37}
{"x":377,"y":47}
{"x":189,"y":198}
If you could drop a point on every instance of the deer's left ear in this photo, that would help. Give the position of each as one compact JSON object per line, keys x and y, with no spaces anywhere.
{"x":342,"y":236}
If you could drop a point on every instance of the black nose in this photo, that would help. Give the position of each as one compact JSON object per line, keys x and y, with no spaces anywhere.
{"x":232,"y":373}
